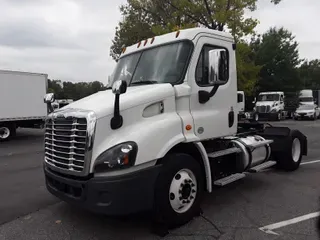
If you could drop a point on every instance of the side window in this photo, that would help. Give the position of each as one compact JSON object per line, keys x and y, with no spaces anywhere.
{"x":240,"y":98}
{"x":202,"y":69}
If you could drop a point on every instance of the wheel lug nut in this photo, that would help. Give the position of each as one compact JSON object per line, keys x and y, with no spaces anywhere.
{"x":193,"y":191}
{"x":185,"y":181}
{"x":192,"y":185}
{"x":180,"y":198}
{"x":184,"y":201}
{"x":172,"y":196}
{"x":180,"y":191}
{"x":188,"y":201}
{"x":178,"y":176}
{"x":191,"y":197}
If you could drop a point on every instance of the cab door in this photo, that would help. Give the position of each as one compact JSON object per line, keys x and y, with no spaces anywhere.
{"x":216,"y":115}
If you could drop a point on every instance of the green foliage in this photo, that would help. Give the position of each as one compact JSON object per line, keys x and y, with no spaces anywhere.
{"x":146,"y":18}
{"x":247,"y":70}
{"x":75,"y":91}
{"x":309,"y":72}
{"x":277,"y":52}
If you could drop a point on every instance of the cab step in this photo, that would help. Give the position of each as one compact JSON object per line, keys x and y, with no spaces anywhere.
{"x":262,"y":166}
{"x":229,"y":179}
{"x":224,"y":152}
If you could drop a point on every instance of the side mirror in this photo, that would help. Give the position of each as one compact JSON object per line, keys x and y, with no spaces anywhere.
{"x":49,"y":98}
{"x":254,"y":100}
{"x":218,"y":67}
{"x":119,"y":87}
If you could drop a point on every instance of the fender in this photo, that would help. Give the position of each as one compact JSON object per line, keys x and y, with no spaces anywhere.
{"x":206,"y":165}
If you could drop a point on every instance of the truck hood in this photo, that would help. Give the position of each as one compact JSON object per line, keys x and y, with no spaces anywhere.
{"x":265,"y":103}
{"x":102,"y":103}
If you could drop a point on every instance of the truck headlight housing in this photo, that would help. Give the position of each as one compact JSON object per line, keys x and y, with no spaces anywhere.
{"x":273,"y":110}
{"x":118,"y":157}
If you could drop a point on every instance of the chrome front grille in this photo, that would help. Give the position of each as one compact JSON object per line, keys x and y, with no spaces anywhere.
{"x":68,"y":141}
{"x":65,"y":143}
{"x":263,"y":109}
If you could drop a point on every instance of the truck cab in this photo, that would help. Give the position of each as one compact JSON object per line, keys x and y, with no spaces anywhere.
{"x":306,"y":97}
{"x":270,"y":105}
{"x":166,"y":132}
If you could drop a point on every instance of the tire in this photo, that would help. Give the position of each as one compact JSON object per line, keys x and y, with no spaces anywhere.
{"x":278,"y":116}
{"x":290,"y":159}
{"x":5,"y":133}
{"x":314,"y":117}
{"x":175,"y":179}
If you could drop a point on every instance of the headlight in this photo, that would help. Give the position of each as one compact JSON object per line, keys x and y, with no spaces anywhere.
{"x":118,"y":157}
{"x":273,"y":110}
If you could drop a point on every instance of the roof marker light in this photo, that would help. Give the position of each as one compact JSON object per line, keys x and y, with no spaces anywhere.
{"x":152,"y":40}
{"x":177,"y":34}
{"x":139,"y":44}
{"x":124,"y":49}
{"x":145,"y":42}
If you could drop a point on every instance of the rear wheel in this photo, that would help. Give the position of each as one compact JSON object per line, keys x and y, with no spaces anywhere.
{"x":290,"y":159}
{"x":5,"y":133}
{"x":178,"y":191}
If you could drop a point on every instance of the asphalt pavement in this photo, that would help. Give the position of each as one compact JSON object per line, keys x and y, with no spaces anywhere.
{"x":268,"y":205}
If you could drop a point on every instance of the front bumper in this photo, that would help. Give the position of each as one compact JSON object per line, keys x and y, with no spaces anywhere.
{"x":303,"y":116}
{"x":116,"y":195}
{"x":268,"y":116}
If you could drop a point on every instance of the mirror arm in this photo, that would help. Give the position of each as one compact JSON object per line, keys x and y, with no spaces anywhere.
{"x":49,"y":108}
{"x":117,"y":120}
{"x":204,"y":96}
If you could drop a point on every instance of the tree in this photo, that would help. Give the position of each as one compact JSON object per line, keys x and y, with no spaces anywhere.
{"x":145,"y":18}
{"x":247,"y":70}
{"x":309,"y":72}
{"x":277,"y":53}
{"x":75,"y":91}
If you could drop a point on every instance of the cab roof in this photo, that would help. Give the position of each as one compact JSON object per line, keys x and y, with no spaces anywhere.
{"x":186,"y":34}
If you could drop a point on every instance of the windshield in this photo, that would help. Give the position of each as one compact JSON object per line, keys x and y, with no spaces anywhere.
{"x":306,"y":107}
{"x":163,"y":64}
{"x":306,"y":99}
{"x":268,"y":97}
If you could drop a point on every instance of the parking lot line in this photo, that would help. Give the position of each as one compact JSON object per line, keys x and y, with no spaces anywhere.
{"x":310,"y":162}
{"x":269,"y":228}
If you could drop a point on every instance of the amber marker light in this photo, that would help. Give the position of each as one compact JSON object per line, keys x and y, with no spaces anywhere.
{"x":188,"y":127}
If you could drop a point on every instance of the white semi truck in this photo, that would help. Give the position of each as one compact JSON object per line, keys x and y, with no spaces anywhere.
{"x":166,"y":132}
{"x":21,"y":101}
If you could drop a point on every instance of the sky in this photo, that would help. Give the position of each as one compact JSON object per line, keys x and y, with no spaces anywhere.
{"x":70,"y":39}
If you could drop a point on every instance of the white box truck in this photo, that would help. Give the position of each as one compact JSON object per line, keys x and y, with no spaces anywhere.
{"x":21,"y":101}
{"x":166,"y":132}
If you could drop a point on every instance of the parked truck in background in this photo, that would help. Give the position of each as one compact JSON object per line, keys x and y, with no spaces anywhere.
{"x":270,"y":105}
{"x":166,"y":132}
{"x":306,"y":97}
{"x":21,"y":101}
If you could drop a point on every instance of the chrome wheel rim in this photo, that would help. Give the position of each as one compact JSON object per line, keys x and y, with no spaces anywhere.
{"x":4,"y":132}
{"x":296,"y":150}
{"x":183,"y":191}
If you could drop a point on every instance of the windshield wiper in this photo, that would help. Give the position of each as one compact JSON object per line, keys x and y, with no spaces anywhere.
{"x":143,"y":82}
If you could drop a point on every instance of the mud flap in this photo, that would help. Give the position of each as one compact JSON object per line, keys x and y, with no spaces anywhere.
{"x":282,"y":137}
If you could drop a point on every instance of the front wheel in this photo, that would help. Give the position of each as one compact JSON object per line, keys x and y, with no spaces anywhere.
{"x":279,"y":116}
{"x":179,"y":189}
